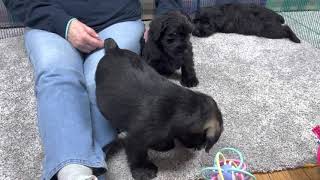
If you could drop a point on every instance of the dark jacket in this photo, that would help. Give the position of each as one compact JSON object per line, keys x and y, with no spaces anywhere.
{"x":54,"y":15}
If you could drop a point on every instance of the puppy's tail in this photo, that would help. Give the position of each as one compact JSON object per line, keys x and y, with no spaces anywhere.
{"x":110,"y":44}
{"x":291,"y":35}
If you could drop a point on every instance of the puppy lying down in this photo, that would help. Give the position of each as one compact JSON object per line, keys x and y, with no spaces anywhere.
{"x":151,"y":109}
{"x":247,"y":19}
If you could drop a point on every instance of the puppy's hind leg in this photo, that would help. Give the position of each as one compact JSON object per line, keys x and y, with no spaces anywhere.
{"x":137,"y":154}
{"x":278,"y":31}
{"x":291,"y":35}
{"x":280,"y":19}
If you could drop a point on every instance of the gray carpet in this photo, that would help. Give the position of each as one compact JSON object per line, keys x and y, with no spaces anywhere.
{"x":268,"y":91}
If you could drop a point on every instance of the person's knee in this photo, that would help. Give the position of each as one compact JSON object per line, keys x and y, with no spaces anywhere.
{"x":59,"y":78}
{"x":53,"y":69}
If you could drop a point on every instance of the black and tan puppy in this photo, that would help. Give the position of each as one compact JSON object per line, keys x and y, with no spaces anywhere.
{"x":168,"y":47}
{"x":151,"y":109}
{"x":247,"y":19}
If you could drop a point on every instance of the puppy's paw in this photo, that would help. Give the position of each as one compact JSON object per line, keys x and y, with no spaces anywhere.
{"x":147,"y":172}
{"x":189,"y":81}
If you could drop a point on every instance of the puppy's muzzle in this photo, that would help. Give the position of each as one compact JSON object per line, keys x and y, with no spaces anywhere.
{"x":196,"y":32}
{"x":181,"y":50}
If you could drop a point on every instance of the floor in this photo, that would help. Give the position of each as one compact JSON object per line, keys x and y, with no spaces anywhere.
{"x":311,"y":173}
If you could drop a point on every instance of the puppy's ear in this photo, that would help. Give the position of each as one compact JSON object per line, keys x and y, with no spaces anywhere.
{"x":186,"y":20}
{"x":219,"y":19}
{"x":213,"y":131}
{"x":110,"y":44}
{"x":213,"y":126}
{"x":157,"y":27}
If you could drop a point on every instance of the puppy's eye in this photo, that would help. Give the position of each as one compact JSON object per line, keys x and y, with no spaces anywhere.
{"x":173,"y":34}
{"x":196,"y":21}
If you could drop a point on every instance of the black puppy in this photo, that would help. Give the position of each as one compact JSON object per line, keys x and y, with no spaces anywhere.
{"x":151,"y":109}
{"x":247,"y":19}
{"x":168,"y":47}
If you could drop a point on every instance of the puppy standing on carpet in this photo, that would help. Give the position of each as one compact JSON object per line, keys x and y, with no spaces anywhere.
{"x":153,"y":110}
{"x":168,"y":47}
{"x":247,"y":19}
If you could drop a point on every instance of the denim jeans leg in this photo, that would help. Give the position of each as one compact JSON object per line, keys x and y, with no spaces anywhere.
{"x":63,"y":107}
{"x":127,"y":35}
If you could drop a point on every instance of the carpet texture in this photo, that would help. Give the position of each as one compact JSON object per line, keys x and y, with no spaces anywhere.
{"x":268,"y":91}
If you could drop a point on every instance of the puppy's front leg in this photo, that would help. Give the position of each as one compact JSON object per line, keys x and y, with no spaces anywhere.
{"x":137,"y":153}
{"x":188,"y":74}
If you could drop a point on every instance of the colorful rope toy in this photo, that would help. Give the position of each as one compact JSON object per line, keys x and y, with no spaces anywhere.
{"x":227,"y":169}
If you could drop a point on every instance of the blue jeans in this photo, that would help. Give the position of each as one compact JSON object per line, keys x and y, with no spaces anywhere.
{"x":72,"y":129}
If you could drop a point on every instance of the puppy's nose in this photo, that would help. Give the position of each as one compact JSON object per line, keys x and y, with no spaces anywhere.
{"x":195,"y":32}
{"x":182,"y":47}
